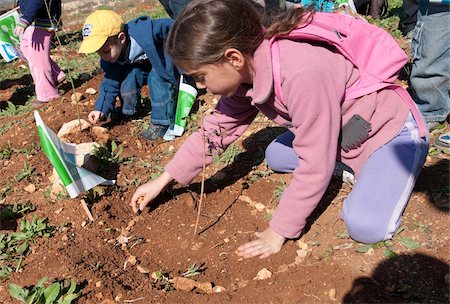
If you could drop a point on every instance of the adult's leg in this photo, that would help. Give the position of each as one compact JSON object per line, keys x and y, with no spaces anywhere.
{"x":372,"y":212}
{"x":410,"y":8}
{"x":35,"y":46}
{"x":130,"y":88}
{"x":430,"y":71}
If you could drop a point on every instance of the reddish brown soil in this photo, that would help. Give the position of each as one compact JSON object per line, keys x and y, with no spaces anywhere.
{"x":161,"y":238}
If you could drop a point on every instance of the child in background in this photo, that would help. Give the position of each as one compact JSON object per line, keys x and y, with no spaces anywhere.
{"x":224,"y":46}
{"x":132,"y":55}
{"x":40,"y":19}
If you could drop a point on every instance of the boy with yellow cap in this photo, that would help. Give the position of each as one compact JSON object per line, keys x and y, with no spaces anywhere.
{"x":131,"y":55}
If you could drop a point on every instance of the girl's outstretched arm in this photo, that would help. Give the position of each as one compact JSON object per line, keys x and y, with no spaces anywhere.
{"x":268,"y":243}
{"x":147,"y":192}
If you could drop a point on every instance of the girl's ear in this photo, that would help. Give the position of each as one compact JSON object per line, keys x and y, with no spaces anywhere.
{"x":235,"y":58}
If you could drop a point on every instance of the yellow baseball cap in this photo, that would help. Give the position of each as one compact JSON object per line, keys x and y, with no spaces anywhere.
{"x":98,"y":27}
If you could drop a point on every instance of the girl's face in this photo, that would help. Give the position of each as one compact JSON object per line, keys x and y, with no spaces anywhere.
{"x":222,"y":78}
{"x":113,"y":48}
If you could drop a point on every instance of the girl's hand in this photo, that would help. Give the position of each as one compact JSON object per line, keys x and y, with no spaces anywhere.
{"x":269,"y":242}
{"x":148,"y":191}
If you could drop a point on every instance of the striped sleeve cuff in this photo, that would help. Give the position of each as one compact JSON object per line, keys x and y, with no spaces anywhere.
{"x":23,"y":23}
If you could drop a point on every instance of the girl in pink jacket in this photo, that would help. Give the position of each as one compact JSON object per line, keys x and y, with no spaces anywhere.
{"x":223,"y":45}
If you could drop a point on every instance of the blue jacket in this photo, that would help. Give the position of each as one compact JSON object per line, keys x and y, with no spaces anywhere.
{"x":150,"y":35}
{"x":36,"y":11}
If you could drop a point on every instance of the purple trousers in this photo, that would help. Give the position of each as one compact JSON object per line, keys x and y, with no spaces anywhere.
{"x":372,"y":212}
{"x":35,"y":46}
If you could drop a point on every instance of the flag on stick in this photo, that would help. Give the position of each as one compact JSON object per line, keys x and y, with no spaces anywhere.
{"x":62,"y":156}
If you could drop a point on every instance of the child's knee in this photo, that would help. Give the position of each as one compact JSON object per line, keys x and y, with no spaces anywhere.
{"x":273,"y":159}
{"x":364,"y":229}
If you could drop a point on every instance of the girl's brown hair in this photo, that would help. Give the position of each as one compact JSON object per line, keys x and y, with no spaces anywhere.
{"x":206,"y":28}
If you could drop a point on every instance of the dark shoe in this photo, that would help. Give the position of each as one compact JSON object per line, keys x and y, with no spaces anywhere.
{"x":442,"y":141}
{"x":38,"y":104}
{"x":154,"y":132}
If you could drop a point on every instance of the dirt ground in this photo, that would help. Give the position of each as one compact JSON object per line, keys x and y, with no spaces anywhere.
{"x":322,"y":266}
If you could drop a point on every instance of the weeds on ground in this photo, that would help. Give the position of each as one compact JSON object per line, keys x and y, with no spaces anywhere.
{"x":260,"y":173}
{"x":113,"y":156}
{"x":15,"y":246}
{"x":229,"y":156}
{"x":25,"y":172}
{"x":9,"y":212}
{"x":6,"y":152}
{"x":193,"y":270}
{"x":13,"y":110}
{"x":278,"y":191}
{"x":55,"y":293}
{"x":162,"y":281}
{"x":5,"y":191}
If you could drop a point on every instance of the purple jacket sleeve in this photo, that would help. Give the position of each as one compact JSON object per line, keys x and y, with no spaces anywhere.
{"x":223,"y":126}
{"x":313,"y":101}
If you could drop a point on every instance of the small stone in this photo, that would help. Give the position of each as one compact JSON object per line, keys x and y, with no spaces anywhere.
{"x":370,"y":251}
{"x":83,"y":223}
{"x":73,"y":126}
{"x":263,"y":274}
{"x":242,"y":284}
{"x":76,"y":97}
{"x":91,"y":91}
{"x":99,"y":296}
{"x":282,"y":268}
{"x":101,"y":134}
{"x":260,"y":206}
{"x":205,"y":287}
{"x":302,"y":245}
{"x":246,"y":199}
{"x":332,"y":294}
{"x":183,"y":284}
{"x":58,"y":211}
{"x":30,"y":188}
{"x":142,"y":269}
{"x":101,"y":223}
{"x":131,"y":223}
{"x":219,"y":289}
{"x":98,"y":284}
{"x":132,"y":260}
{"x":118,"y":298}
{"x":64,"y":238}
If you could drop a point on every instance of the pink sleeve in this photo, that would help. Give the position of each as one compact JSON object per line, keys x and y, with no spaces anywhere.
{"x":222,"y":127}
{"x":313,"y":101}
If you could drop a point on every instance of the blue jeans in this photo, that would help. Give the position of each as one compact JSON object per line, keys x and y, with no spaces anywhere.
{"x":162,"y":94}
{"x":430,"y":52}
{"x":174,"y":7}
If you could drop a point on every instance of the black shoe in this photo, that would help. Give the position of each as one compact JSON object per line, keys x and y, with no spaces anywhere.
{"x":154,"y":132}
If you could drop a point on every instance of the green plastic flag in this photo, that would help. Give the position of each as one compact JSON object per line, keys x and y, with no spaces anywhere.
{"x":8,"y":41}
{"x":62,"y":156}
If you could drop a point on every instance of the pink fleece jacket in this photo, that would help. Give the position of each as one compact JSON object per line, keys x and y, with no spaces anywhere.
{"x":313,"y":80}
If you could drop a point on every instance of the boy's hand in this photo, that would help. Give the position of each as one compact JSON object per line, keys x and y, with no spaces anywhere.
{"x":18,"y":31}
{"x":95,"y":116}
{"x":147,"y":192}
{"x":269,"y":242}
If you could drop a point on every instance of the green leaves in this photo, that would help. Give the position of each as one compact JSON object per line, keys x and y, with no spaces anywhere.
{"x":15,"y":246}
{"x":55,"y":293}
{"x":409,"y":243}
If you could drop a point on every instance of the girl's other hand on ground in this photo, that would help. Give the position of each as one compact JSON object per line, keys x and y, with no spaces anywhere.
{"x":268,"y":243}
{"x":148,"y":192}
{"x":95,"y":116}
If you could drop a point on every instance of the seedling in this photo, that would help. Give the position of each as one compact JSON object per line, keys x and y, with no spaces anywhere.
{"x":4,"y":192}
{"x":257,"y":174}
{"x":107,"y":157}
{"x":193,"y":270}
{"x":162,"y":281}
{"x":6,"y":152}
{"x":278,"y":191}
{"x":15,"y":211}
{"x":55,"y":293}
{"x":26,"y":172}
{"x":15,"y":246}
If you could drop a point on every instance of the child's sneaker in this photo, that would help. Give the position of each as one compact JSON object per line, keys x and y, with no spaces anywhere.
{"x":154,"y":132}
{"x":443,"y":141}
